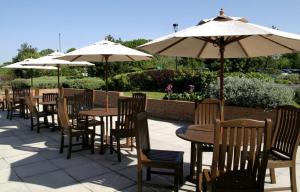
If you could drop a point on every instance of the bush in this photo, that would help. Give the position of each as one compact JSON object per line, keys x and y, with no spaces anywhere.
{"x":288,"y":79}
{"x":20,"y":83}
{"x":256,"y":75}
{"x":196,"y":96}
{"x":254,"y":93}
{"x":157,"y":80}
{"x":297,"y":96}
{"x":84,"y":83}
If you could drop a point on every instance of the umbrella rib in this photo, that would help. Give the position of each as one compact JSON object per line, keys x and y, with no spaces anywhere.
{"x":168,"y":47}
{"x":206,"y":39}
{"x":76,"y":58}
{"x":243,"y":48}
{"x":293,"y":50}
{"x":202,"y":49}
{"x":130,"y":58}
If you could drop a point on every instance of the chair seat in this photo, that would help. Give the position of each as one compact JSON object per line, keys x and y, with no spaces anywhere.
{"x":91,"y":122}
{"x":232,"y":181}
{"x":207,"y":147}
{"x":162,"y":157}
{"x":278,"y":160}
{"x":123,"y":133}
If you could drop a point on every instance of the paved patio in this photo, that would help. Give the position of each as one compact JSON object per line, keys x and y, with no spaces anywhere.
{"x":31,"y":162}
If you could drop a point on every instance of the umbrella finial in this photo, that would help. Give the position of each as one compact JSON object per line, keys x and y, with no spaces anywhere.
{"x":222,"y":12}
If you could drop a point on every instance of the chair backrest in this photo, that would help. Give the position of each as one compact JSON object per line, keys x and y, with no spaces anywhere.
{"x":30,"y":105}
{"x":89,"y":96}
{"x":207,"y":111}
{"x":50,"y":97}
{"x":143,"y":98}
{"x":62,"y":113}
{"x":286,"y":134}
{"x":20,"y":92}
{"x":243,"y":145}
{"x":142,"y":136}
{"x":125,"y":113}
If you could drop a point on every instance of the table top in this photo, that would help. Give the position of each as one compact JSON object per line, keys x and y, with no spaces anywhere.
{"x":37,"y":97}
{"x":197,"y":133}
{"x":100,"y":112}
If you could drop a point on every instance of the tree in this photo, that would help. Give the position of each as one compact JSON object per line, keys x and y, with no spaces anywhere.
{"x":45,"y":52}
{"x":71,"y":49}
{"x":25,"y":51}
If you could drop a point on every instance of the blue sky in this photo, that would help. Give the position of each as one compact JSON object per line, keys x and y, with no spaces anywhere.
{"x":82,"y":22}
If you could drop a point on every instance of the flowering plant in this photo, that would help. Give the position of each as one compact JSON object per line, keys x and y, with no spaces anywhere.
{"x":191,"y":88}
{"x":169,"y":90}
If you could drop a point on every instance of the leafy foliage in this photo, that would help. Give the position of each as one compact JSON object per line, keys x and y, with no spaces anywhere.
{"x":254,"y":93}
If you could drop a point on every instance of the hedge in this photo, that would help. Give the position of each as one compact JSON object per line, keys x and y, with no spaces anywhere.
{"x":253,"y":93}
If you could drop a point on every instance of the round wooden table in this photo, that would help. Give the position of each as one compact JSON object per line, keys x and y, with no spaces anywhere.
{"x":197,"y":135}
{"x":102,"y":112}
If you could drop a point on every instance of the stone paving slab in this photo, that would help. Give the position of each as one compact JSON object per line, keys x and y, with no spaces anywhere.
{"x":31,"y":162}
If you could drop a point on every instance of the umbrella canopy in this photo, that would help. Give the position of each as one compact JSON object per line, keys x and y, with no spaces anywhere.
{"x":21,"y":65}
{"x":224,"y":37}
{"x":106,"y":51}
{"x":50,"y":60}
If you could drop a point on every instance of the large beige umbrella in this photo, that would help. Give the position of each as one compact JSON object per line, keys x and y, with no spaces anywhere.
{"x":106,"y":51}
{"x":21,"y":65}
{"x":49,"y":60}
{"x":224,"y":37}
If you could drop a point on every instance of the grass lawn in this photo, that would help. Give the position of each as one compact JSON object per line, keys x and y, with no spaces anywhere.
{"x":150,"y":95}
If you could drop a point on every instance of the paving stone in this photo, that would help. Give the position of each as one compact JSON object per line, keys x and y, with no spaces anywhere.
{"x":34,"y":168}
{"x":76,"y":161}
{"x":86,"y":171}
{"x":14,"y":187}
{"x":14,"y":152}
{"x":49,"y":181}
{"x":24,"y":159}
{"x":107,"y":182}
{"x":7,"y":175}
{"x":4,"y":164}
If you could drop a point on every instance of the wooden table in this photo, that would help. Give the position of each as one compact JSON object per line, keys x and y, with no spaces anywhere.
{"x":197,"y":135}
{"x":101,"y":112}
{"x":37,"y":99}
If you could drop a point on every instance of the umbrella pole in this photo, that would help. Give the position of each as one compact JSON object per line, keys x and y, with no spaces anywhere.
{"x":222,"y":50}
{"x":106,"y":79}
{"x":31,"y":78}
{"x":58,"y":77}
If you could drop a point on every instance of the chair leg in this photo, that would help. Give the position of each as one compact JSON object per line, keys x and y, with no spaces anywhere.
{"x":31,"y":123}
{"x":38,"y":124}
{"x":11,"y":113}
{"x":181,"y":173}
{"x":8,"y":111}
{"x":92,"y":143}
{"x":111,"y":143}
{"x":119,"y":149}
{"x":62,"y":143}
{"x":70,"y":147}
{"x":272,"y":175}
{"x":148,"y":174}
{"x":176,"y":178}
{"x":140,"y":179}
{"x":293,"y":178}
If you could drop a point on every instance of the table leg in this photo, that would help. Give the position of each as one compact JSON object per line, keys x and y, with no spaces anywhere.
{"x":106,"y":128}
{"x":192,"y":162}
{"x":102,"y":137}
{"x":199,"y":167}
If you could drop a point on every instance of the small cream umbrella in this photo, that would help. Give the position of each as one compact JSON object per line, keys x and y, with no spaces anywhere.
{"x":224,"y":37}
{"x":50,"y":60}
{"x":106,"y":51}
{"x":20,"y":65}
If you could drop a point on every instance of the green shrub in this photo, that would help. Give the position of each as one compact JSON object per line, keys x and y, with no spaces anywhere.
{"x":120,"y":83}
{"x":288,"y":79}
{"x":84,"y":83}
{"x":256,"y":75}
{"x":20,"y":83}
{"x":297,"y":96}
{"x":196,"y":96}
{"x":254,"y":93}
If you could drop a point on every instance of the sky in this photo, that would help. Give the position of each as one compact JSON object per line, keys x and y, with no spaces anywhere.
{"x":83,"y":22}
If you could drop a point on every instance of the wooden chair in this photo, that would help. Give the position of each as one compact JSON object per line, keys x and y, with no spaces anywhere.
{"x":240,"y":156}
{"x":35,"y":114}
{"x":206,"y":112}
{"x":157,"y":159}
{"x":16,"y":104}
{"x":69,"y":130}
{"x":127,"y":108}
{"x":50,"y":110}
{"x":141,"y":96}
{"x":285,"y":141}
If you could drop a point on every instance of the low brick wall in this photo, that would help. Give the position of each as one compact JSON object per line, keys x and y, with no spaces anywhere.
{"x":171,"y":109}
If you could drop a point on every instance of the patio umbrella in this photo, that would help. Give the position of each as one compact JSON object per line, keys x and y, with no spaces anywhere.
{"x":106,"y":51}
{"x":49,"y":60}
{"x":20,"y":65}
{"x":224,"y":37}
